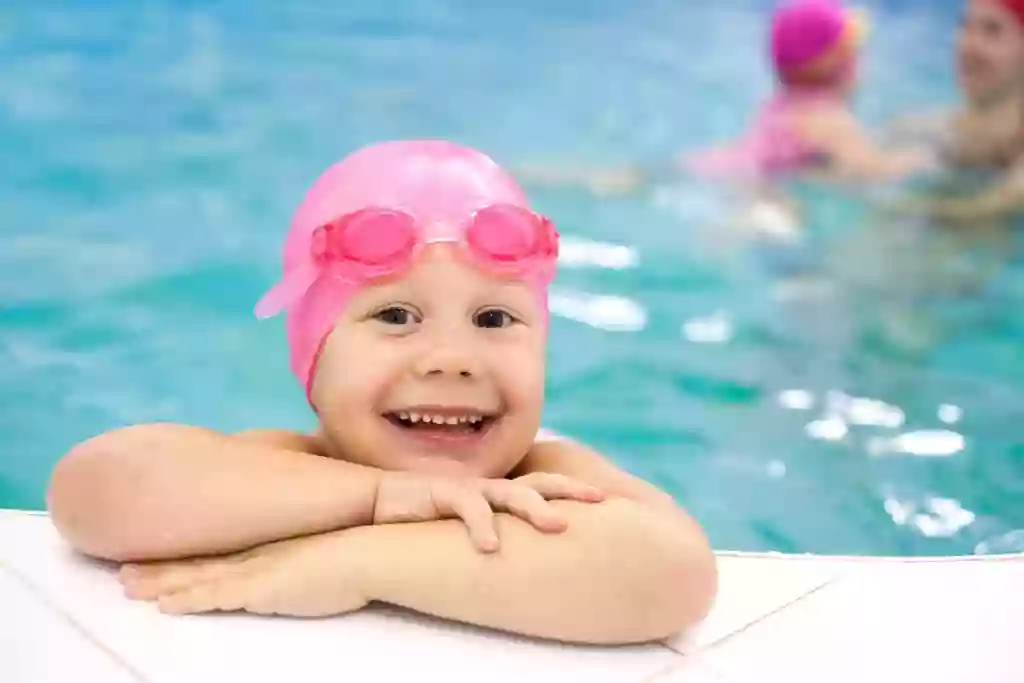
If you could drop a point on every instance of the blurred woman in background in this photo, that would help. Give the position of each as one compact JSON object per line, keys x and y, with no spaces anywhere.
{"x":985,"y":134}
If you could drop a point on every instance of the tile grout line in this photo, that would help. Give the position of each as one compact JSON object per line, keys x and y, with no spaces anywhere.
{"x":835,"y":580}
{"x":696,"y":654}
{"x":64,"y":616}
{"x":700,"y":650}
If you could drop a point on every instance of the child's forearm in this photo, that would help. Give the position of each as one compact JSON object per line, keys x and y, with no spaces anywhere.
{"x":621,"y":573}
{"x":164,"y":491}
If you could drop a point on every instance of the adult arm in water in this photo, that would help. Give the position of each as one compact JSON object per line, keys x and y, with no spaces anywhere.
{"x":1005,"y":197}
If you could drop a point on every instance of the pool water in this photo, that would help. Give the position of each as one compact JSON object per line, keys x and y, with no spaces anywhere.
{"x":859,"y":390}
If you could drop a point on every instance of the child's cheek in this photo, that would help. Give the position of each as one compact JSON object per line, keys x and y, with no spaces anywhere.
{"x":524,"y":379}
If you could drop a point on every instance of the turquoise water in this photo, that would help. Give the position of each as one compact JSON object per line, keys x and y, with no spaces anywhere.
{"x":860,"y":393}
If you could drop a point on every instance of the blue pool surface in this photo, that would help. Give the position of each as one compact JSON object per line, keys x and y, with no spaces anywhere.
{"x":861,"y":392}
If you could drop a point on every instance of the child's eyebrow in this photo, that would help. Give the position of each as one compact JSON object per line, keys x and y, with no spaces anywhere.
{"x":509,"y":291}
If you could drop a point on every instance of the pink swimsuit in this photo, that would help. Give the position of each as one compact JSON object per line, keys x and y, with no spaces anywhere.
{"x":771,"y":147}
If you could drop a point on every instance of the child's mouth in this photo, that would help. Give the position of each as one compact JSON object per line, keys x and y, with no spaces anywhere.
{"x":438,"y":423}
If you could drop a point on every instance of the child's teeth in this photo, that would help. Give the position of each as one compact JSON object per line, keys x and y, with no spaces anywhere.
{"x":415,"y":418}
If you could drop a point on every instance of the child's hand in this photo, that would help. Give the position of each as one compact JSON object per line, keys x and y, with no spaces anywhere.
{"x":305,"y":577}
{"x":408,"y":497}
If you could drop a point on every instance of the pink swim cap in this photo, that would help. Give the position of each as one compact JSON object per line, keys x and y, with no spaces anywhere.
{"x":438,"y":182}
{"x":1016,"y":7}
{"x":804,"y":30}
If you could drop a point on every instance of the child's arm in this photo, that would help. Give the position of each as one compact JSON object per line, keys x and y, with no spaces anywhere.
{"x":156,"y":492}
{"x":161,"y":491}
{"x":631,"y":569}
{"x":621,"y":573}
{"x":851,"y":153}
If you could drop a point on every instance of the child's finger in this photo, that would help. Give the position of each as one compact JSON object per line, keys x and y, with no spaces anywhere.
{"x":226,"y":596}
{"x":553,"y":486}
{"x":474,"y":510}
{"x":528,"y":505}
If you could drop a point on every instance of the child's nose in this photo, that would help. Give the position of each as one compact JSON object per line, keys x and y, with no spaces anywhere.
{"x":451,"y":360}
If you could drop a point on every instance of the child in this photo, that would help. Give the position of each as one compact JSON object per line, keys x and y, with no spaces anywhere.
{"x":807,"y":125}
{"x":415,"y":285}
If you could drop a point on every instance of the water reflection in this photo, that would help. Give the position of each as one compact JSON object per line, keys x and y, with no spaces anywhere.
{"x":776,"y":469}
{"x":714,"y":329}
{"x":950,"y":414}
{"x":923,"y":443}
{"x":872,"y":413}
{"x":578,"y":252}
{"x":601,"y":311}
{"x":829,"y":429}
{"x":840,"y":411}
{"x":934,"y":518}
{"x":866,"y":412}
{"x":796,"y":399}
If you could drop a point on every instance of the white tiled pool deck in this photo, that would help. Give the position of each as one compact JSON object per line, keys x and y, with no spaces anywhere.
{"x":791,"y":619}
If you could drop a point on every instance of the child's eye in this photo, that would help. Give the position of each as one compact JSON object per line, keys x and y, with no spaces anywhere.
{"x":395,"y":315}
{"x":493,"y":318}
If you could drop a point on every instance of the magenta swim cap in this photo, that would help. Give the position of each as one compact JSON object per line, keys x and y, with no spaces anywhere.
{"x":804,"y":30}
{"x":437,"y":182}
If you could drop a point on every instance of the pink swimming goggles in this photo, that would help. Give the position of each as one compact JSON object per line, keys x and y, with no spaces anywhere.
{"x":378,"y":242}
